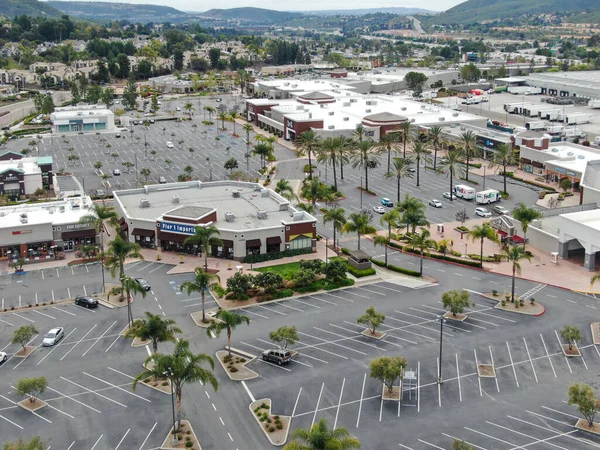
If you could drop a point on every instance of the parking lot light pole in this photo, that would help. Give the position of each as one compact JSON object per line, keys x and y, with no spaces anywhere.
{"x":440,"y":380}
{"x":169,"y":373}
{"x":361,"y":191}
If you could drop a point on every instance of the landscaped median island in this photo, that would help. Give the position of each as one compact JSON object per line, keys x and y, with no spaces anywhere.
{"x":521,"y":306}
{"x":186,"y":438}
{"x":275,"y":427}
{"x":234,"y":364}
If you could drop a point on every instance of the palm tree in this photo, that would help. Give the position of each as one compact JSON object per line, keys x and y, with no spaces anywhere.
{"x":181,"y":367}
{"x":315,"y":191}
{"x":503,"y":156}
{"x":359,"y":223}
{"x":455,"y":166}
{"x":128,"y":287}
{"x":400,"y":169}
{"x":284,"y":188}
{"x":525,"y":215}
{"x":514,"y":254}
{"x":366,"y":159}
{"x":226,"y":320}
{"x":481,"y":232}
{"x":154,"y":328}
{"x":423,"y":242}
{"x":421,"y":152}
{"x":413,"y":212}
{"x":208,"y":235}
{"x":388,"y":142}
{"x":247,"y":127}
{"x":188,"y":107}
{"x":234,"y":115}
{"x":305,"y":144}
{"x":202,"y":282}
{"x":435,"y":136}
{"x":407,"y":130}
{"x":345,"y":148}
{"x":223,"y":116}
{"x":319,"y":437}
{"x":468,"y":139}
{"x":263,"y":150}
{"x":211,"y":110}
{"x":336,"y":215}
{"x":359,"y":133}
{"x":117,"y":252}
{"x":327,"y":153}
{"x":384,"y":241}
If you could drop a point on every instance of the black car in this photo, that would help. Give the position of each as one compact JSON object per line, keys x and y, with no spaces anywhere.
{"x":143,"y":283}
{"x":88,"y":302}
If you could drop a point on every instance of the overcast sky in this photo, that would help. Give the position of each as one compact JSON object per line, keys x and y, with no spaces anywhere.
{"x":296,"y":5}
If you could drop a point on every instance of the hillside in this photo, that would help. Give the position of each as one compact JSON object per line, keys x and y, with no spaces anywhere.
{"x":11,"y":8}
{"x":477,"y":10}
{"x":251,"y":14}
{"x":105,"y":11}
{"x":401,"y":11}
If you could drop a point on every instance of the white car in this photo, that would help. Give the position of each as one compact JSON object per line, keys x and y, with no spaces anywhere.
{"x":435,"y":203}
{"x":379,"y":209}
{"x":3,"y":357}
{"x":483,"y":212}
{"x":178,"y":109}
{"x":170,"y":144}
{"x":449,"y":196}
{"x":53,"y":337}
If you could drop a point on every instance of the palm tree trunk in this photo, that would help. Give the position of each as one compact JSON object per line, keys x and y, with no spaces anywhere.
{"x":229,"y":341}
{"x":179,"y":413}
{"x":341,"y":169}
{"x":451,"y":192}
{"x":205,"y":250}
{"x":366,"y":178}
{"x":398,"y":190}
{"x":467,"y":166}
{"x":435,"y":150}
{"x":481,"y":253}
{"x":418,"y":171}
{"x":358,"y":240}
{"x":334,"y":241}
{"x":512,"y":298}
{"x":309,"y":165}
{"x":421,"y":264}
{"x":386,"y":257}
{"x":404,"y":150}
{"x":334,"y":174}
{"x":504,"y":173}
{"x":203,"y":314}
{"x":389,"y":158}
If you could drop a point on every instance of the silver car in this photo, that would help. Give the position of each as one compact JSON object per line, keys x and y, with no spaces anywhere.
{"x":53,"y":337}
{"x":435,"y":203}
{"x":483,"y":212}
{"x":3,"y":357}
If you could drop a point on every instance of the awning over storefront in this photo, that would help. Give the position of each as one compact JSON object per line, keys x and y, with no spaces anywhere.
{"x":253,"y":243}
{"x":537,"y":164}
{"x":142,"y":232}
{"x":274,"y":240}
{"x":502,"y":233}
{"x":227,"y":243}
{"x":79,"y":234}
{"x":294,"y":236}
{"x":173,"y":237}
{"x":525,"y":161}
{"x":517,"y":239}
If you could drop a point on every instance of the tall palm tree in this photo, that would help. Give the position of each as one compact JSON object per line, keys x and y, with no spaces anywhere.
{"x":114,"y":258}
{"x":421,"y":153}
{"x":525,"y":215}
{"x":233,"y":115}
{"x":515,"y":254}
{"x":327,"y":153}
{"x":210,"y":110}
{"x":408,"y":131}
{"x":337,"y":216}
{"x":360,"y":133}
{"x":315,"y":191}
{"x":248,"y":128}
{"x":455,"y":167}
{"x":154,"y":328}
{"x":206,"y":236}
{"x":503,"y":156}
{"x":188,"y":107}
{"x":435,"y":137}
{"x":305,"y":144}
{"x":423,"y":242}
{"x":319,"y":437}
{"x":262,"y":149}
{"x":384,"y":241}
{"x":366,"y":158}
{"x":202,"y":282}
{"x":468,"y":139}
{"x":400,"y":169}
{"x":345,"y":149}
{"x":392,"y":219}
{"x":481,"y":232}
{"x":181,"y":367}
{"x":223,"y":116}
{"x":228,"y":321}
{"x":359,"y":223}
{"x":413,"y":212}
{"x":284,"y":188}
{"x":388,"y":142}
{"x":128,"y":286}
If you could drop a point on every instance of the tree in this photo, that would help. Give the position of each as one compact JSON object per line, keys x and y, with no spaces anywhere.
{"x":337,"y":216}
{"x":415,"y":82}
{"x":202,"y":282}
{"x":454,"y":165}
{"x":327,"y":154}
{"x":571,"y":334}
{"x":129,"y":286}
{"x":421,"y":152}
{"x":123,"y":66}
{"x":188,"y":108}
{"x":23,"y":335}
{"x":107,"y":97}
{"x":456,"y":301}
{"x":181,"y":367}
{"x":305,"y":144}
{"x":413,"y":213}
{"x":400,"y":169}
{"x":584,"y":398}
{"x":239,"y":284}
{"x":434,"y":135}
{"x":503,"y":156}
{"x":358,"y":223}
{"x":206,"y":236}
{"x":130,"y":94}
{"x":315,"y":190}
{"x":226,"y":321}
{"x":366,"y":157}
{"x":284,"y":336}
{"x":214,"y":54}
{"x":155,"y":329}
{"x":468,"y":139}
{"x":470,"y":72}
{"x":145,"y":172}
{"x":515,"y":254}
{"x":230,"y":164}
{"x":423,"y":242}
{"x":75,"y":95}
{"x":461,"y":445}
{"x":408,"y":131}
{"x":387,"y":370}
{"x":32,"y":387}
{"x":285,"y":189}
{"x":269,"y":281}
{"x":481,"y":232}
{"x":319,"y":437}
{"x":263,"y":151}
{"x":388,"y":142}
{"x":565,"y":184}
{"x":526,"y":216}
{"x":372,"y":319}
{"x":335,"y":271}
{"x":34,"y":443}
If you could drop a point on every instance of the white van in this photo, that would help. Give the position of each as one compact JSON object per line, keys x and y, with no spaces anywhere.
{"x":487,"y":196}
{"x":170,"y":144}
{"x":463,"y":191}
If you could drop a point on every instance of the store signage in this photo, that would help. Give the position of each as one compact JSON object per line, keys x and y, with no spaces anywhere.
{"x":17,"y":232}
{"x":290,"y":124}
{"x":78,"y":226}
{"x":11,"y":177}
{"x":566,"y":172}
{"x":177,"y":228}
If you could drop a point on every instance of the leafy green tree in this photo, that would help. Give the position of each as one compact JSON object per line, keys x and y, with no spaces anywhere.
{"x":372,"y":319}
{"x":584,"y":398}
{"x":145,"y":172}
{"x":181,"y":367}
{"x":423,"y":242}
{"x":284,"y":336}
{"x":503,"y":156}
{"x":454,"y":166}
{"x":239,"y":284}
{"x":155,"y":329}
{"x":565,"y":184}
{"x":460,"y":445}
{"x":470,"y":72}
{"x":335,"y":271}
{"x":269,"y":281}
{"x":413,"y":213}
{"x":214,"y":54}
{"x":230,"y":164}
{"x":337,"y":216}
{"x":456,"y":301}
{"x":358,"y":223}
{"x":482,"y":232}
{"x":34,"y":443}
{"x":526,"y":216}
{"x":421,"y":153}
{"x":205,"y":236}
{"x":263,"y":150}
{"x":319,"y":437}
{"x":315,"y":190}
{"x":571,"y":334}
{"x":387,"y":370}
{"x":226,"y":321}
{"x":304,"y":278}
{"x":366,"y":157}
{"x":130,"y":94}
{"x":108,"y":97}
{"x":327,"y":153}
{"x":75,"y":95}
{"x":415,"y":82}
{"x":129,"y":286}
{"x":47,"y":104}
{"x":514,"y":254}
{"x":32,"y":387}
{"x":23,"y":335}
{"x":284,"y":188}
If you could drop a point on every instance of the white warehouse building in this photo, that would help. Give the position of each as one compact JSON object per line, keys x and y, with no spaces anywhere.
{"x":82,"y":119}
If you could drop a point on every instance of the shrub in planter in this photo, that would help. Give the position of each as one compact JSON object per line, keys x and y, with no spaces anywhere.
{"x":233,"y":370}
{"x":271,"y":429}
{"x":279,"y":426}
{"x":189,"y":444}
{"x":165,"y":383}
{"x":345,"y":251}
{"x":361,"y":273}
{"x":542,"y":194}
{"x":495,"y":293}
{"x":521,"y":302}
{"x":503,"y":302}
{"x":532,"y":300}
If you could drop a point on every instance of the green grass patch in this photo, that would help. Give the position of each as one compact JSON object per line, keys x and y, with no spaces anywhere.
{"x":285,"y":270}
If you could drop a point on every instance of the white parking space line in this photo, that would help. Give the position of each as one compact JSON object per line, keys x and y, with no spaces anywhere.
{"x":113,"y":343}
{"x":64,"y":311}
{"x":339,"y":404}
{"x":253,"y":313}
{"x":337,"y":296}
{"x":288,"y":306}
{"x":56,"y":409}
{"x":418,"y":325}
{"x":94,"y":446}
{"x":24,"y":318}
{"x":357,"y":335}
{"x":369,"y":290}
{"x":362,"y":328}
{"x":145,"y":267}
{"x":317,"y":408}
{"x":494,"y":366}
{"x":56,"y":346}
{"x":272,"y":310}
{"x":317,"y":347}
{"x":325,"y":342}
{"x":406,"y":447}
{"x":585,"y":441}
{"x":305,"y":303}
{"x":7,"y":323}
{"x":11,"y":422}
{"x":156,"y":268}
{"x":425,"y":320}
{"x":431,"y":445}
{"x":96,"y":341}
{"x":71,"y":446}
{"x":117,"y":387}
{"x":493,"y":437}
{"x":388,"y":288}
{"x":536,"y":441}
{"x":32,"y":412}
{"x":93,"y":392}
{"x":321,"y":300}
{"x":123,"y":438}
{"x":404,"y":330}
{"x":512,"y":364}
{"x":77,"y":343}
{"x":548,"y":354}
{"x":73,"y":399}
{"x":43,"y":314}
{"x":466,"y":442}
{"x":530,"y":360}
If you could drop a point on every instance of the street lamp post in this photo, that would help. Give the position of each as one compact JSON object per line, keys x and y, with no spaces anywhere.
{"x":209,"y":168}
{"x":361,"y":192}
{"x":440,"y":380}
{"x":169,"y":373}
{"x":484,"y":176}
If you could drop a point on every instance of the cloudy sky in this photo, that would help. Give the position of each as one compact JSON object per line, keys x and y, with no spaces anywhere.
{"x":297,"y":5}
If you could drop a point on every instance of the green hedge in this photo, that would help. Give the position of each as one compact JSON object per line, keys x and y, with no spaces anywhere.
{"x":361,"y":273}
{"x":465,"y":262}
{"x":485,"y":258}
{"x":412,"y":273}
{"x":282,"y":294}
{"x":377,"y":262}
{"x":342,"y":283}
{"x":276,"y":255}
{"x":26,"y":131}
{"x":345,"y":251}
{"x":220,"y":291}
{"x":533,"y":183}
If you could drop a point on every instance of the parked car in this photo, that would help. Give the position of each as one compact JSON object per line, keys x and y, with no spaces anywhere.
{"x":379,"y":209}
{"x":412,"y":169}
{"x":279,"y":356}
{"x":53,"y":337}
{"x":387,"y":202}
{"x":118,"y":135}
{"x":152,"y":121}
{"x":449,"y":196}
{"x":116,"y":172}
{"x":170,"y":144}
{"x":178,"y":109}
{"x":101,"y":193}
{"x":143,"y":283}
{"x":483,"y":212}
{"x":435,"y":203}
{"x":147,"y":114}
{"x":218,"y":100}
{"x":500,"y":210}
{"x":86,"y":302}
{"x":3,"y":357}
{"x":162,"y":180}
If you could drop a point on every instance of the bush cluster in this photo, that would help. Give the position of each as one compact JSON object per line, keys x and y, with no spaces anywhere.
{"x":276,"y":255}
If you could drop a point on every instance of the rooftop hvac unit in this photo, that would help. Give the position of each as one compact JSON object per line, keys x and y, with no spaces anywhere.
{"x":423,"y":106}
{"x":294,"y":85}
{"x":2,"y":214}
{"x":23,"y":219}
{"x":286,"y":84}
{"x":346,"y":104}
{"x":346,"y":119}
{"x":353,"y":100}
{"x":24,"y":216}
{"x":298,"y":215}
{"x":412,"y":120}
{"x":331,"y":127}
{"x":261,"y":214}
{"x":175,"y":199}
{"x":331,"y":113}
{"x":403,"y":108}
{"x":236,"y":194}
{"x":299,"y":107}
{"x":144,"y":203}
{"x":258,"y":188}
{"x":264,"y":193}
{"x":454,"y":114}
{"x":62,"y":208}
{"x":229,"y":216}
{"x":441,"y":119}
{"x":367,"y":110}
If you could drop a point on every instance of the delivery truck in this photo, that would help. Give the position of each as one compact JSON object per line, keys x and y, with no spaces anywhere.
{"x":463,"y":191}
{"x":577,"y":118}
{"x":487,"y":196}
{"x":535,"y":125}
{"x":594,"y":103}
{"x":524,"y":90}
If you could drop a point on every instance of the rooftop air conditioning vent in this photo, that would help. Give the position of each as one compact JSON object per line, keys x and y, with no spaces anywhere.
{"x":175,"y":199}
{"x":264,"y":193}
{"x":331,"y":127}
{"x":412,"y":120}
{"x":24,"y":216}
{"x":403,"y":108}
{"x":24,"y":220}
{"x":62,"y":208}
{"x":367,"y":110}
{"x":441,"y":119}
{"x":261,"y":214}
{"x":346,"y":119}
{"x":236,"y":194}
{"x":258,"y":188}
{"x":454,"y":114}
{"x":144,"y":203}
{"x":346,"y":104}
{"x":331,"y":113}
{"x":353,"y":100}
{"x":229,"y":216}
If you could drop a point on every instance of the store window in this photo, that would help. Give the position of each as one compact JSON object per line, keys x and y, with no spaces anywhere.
{"x":101,"y":126}
{"x":300,"y":242}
